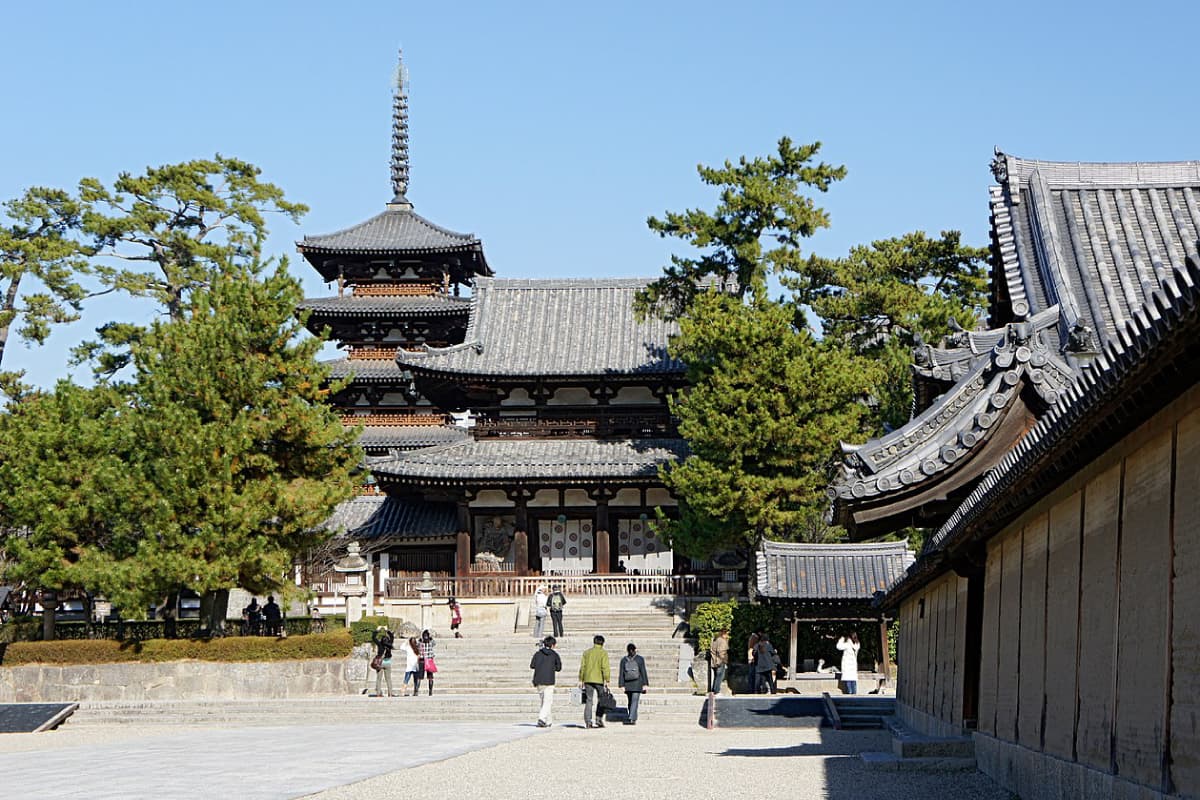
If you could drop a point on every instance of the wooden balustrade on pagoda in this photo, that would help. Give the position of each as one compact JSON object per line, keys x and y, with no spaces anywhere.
{"x":397,"y":290}
{"x":372,"y":353}
{"x":394,"y":420}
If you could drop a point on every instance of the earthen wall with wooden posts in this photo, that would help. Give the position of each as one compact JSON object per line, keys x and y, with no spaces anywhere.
{"x":1090,"y":673}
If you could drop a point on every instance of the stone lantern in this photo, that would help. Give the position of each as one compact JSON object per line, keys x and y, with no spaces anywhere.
{"x":354,"y":567}
{"x":426,"y":588}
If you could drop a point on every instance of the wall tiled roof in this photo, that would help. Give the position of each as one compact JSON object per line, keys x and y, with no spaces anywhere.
{"x":554,"y":327}
{"x":372,"y":517}
{"x":830,"y":571}
{"x":562,"y":460}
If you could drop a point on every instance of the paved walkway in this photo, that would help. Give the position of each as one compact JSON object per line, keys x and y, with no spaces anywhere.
{"x":657,"y":759}
{"x":247,"y":763}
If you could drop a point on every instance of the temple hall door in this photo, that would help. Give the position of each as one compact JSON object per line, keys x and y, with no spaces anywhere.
{"x":566,"y":546}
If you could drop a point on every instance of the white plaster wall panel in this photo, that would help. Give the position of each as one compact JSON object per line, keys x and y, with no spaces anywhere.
{"x":659,"y":497}
{"x":577,"y":497}
{"x":544,"y":498}
{"x":1142,"y":627}
{"x":1010,"y":637}
{"x":1185,"y":634}
{"x":492,"y":498}
{"x":626,"y":497}
{"x":1032,"y":677}
{"x":990,"y":650}
{"x":960,"y":649}
{"x":1097,"y":622}
{"x":634,"y":395}
{"x":1062,"y":626}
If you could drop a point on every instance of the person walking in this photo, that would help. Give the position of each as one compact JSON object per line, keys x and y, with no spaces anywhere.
{"x":545,"y":663}
{"x":383,"y":640}
{"x":718,"y":659}
{"x":849,"y":646}
{"x":593,"y":678}
{"x":427,"y":665}
{"x":765,"y":662}
{"x":455,"y":617}
{"x":539,"y":612}
{"x":412,"y":664}
{"x":555,"y":603}
{"x":632,"y":677}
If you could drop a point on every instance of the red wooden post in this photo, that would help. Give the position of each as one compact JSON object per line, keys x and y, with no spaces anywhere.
{"x":602,"y":553}
{"x":462,"y":555}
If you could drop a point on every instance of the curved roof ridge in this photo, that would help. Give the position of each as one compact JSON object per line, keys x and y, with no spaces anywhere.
{"x":1103,"y":172}
{"x":844,"y":547}
{"x":506,"y":284}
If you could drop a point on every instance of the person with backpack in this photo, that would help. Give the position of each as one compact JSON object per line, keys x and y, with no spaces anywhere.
{"x":545,"y":664}
{"x":555,"y":604}
{"x":633,"y":679}
{"x":766,"y":661}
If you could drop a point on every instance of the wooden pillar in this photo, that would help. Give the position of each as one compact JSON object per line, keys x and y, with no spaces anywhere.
{"x":604,"y":563}
{"x":603,"y":553}
{"x":521,"y":552}
{"x":885,"y":656}
{"x":462,"y":555}
{"x":793,"y":643}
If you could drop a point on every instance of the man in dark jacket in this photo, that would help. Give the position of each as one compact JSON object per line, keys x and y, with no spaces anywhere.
{"x":544,"y":664}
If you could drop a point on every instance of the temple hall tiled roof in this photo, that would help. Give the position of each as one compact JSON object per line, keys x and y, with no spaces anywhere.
{"x":560,"y":460}
{"x":830,"y":571}
{"x":387,"y":307}
{"x":373,"y":517}
{"x":554,"y":327}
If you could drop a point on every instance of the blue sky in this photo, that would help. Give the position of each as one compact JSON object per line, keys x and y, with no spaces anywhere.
{"x":552,"y":130}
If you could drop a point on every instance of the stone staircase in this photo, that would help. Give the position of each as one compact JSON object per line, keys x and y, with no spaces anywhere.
{"x":861,"y":712}
{"x":499,"y":662}
{"x":916,"y":751}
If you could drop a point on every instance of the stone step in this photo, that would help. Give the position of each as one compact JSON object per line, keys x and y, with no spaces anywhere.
{"x":907,"y":743}
{"x":436,"y":707}
{"x":892,"y":762}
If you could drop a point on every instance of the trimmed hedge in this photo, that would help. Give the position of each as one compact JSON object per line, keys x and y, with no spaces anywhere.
{"x":336,"y":644}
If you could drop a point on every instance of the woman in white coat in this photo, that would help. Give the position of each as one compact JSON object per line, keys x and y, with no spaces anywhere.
{"x":849,"y":646}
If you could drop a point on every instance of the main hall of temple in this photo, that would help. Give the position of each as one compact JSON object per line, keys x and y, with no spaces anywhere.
{"x":511,"y":426}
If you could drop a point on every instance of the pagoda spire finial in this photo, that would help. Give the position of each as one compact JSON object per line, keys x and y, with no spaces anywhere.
{"x":400,"y":135}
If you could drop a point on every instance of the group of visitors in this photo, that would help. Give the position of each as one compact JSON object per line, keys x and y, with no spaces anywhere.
{"x":264,"y":620}
{"x":765,"y":662}
{"x":594,"y":677}
{"x":420,"y":662}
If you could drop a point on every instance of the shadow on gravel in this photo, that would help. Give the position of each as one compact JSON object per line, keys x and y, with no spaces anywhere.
{"x":767,"y":711}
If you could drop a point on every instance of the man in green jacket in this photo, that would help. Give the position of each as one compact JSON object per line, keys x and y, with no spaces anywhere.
{"x":593,"y":676}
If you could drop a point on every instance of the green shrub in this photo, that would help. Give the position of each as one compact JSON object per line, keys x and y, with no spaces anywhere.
{"x":709,"y":618}
{"x":362,"y":630}
{"x":336,"y":644}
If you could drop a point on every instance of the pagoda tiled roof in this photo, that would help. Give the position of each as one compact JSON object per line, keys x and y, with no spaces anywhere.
{"x":366,"y":370}
{"x":554,"y":327}
{"x":560,"y":460}
{"x":409,"y":437}
{"x":788,"y":571}
{"x":398,"y":230}
{"x":376,"y":517}
{"x":387,"y":307}
{"x":1080,"y":249}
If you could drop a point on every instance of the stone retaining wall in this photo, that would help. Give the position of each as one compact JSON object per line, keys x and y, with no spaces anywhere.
{"x":181,"y":680}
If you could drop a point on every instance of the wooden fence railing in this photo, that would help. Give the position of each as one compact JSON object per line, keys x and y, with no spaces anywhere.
{"x":580,"y":585}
